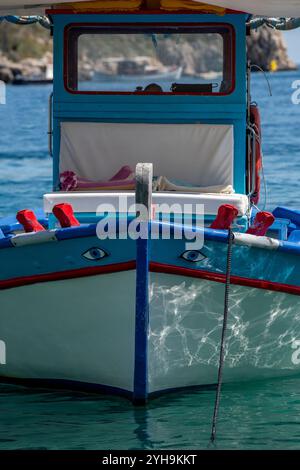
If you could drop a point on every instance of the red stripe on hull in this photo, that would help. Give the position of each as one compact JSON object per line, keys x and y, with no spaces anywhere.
{"x":63,"y":275}
{"x":217,"y":277}
{"x":154,"y":267}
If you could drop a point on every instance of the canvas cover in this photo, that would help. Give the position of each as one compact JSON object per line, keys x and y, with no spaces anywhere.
{"x":197,"y":154}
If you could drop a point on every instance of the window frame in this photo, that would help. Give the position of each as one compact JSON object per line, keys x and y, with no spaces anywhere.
{"x":85,"y":27}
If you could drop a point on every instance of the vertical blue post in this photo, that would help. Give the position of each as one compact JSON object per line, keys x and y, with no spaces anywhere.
{"x":144,"y":174}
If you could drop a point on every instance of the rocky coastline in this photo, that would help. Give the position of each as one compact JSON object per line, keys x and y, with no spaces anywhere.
{"x":26,"y":69}
{"x":265,"y":47}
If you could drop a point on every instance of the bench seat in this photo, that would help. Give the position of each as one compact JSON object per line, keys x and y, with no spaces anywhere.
{"x":88,"y":202}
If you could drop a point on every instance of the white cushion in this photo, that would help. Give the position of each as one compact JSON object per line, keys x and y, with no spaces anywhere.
{"x":199,"y":154}
{"x":89,"y":202}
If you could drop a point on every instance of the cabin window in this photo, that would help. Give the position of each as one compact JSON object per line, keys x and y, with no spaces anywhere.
{"x":130,"y":59}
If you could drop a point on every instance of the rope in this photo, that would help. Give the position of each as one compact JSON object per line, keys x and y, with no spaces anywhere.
{"x":283,"y":24}
{"x":255,"y":66}
{"x":27,"y":20}
{"x":224,"y":329}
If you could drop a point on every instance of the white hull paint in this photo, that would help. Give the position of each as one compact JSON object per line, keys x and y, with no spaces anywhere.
{"x":83,"y":330}
{"x":185,"y":331}
{"x":78,"y":330}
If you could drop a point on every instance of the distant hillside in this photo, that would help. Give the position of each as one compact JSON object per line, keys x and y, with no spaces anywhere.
{"x":22,"y":47}
{"x":266,"y":45}
{"x":24,"y":50}
{"x":21,"y":42}
{"x":195,"y":53}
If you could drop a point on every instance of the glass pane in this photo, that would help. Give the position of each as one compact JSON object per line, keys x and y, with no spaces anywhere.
{"x":151,"y":61}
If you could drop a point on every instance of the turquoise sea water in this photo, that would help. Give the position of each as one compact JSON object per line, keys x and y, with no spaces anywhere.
{"x":260,"y":415}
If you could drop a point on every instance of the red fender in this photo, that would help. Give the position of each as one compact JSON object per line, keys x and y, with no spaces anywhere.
{"x":28,"y":219}
{"x":226,"y":215}
{"x":256,"y":121}
{"x":64,"y":213}
{"x":262,"y":222}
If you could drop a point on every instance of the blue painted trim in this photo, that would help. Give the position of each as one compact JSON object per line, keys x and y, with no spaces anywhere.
{"x":72,"y":385}
{"x":221,"y":236}
{"x":11,"y":219}
{"x":76,"y":386}
{"x":140,"y":393}
{"x":294,"y":236}
{"x":289,"y":247}
{"x":10,"y":224}
{"x":6,"y":243}
{"x":10,"y":228}
{"x":209,"y":233}
{"x":88,"y":230}
{"x":285,"y":213}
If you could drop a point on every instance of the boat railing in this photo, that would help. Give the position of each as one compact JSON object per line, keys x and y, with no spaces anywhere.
{"x":253,"y":139}
{"x":50,"y":124}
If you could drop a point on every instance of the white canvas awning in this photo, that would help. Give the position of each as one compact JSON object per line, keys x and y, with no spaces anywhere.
{"x":98,"y":150}
{"x":284,"y":8}
{"x":287,"y":8}
{"x":27,"y":7}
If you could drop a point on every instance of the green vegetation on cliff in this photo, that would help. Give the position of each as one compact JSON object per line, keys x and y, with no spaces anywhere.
{"x":195,"y":54}
{"x":20,"y":42}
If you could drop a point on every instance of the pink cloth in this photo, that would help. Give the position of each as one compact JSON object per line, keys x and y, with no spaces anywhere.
{"x":69,"y":181}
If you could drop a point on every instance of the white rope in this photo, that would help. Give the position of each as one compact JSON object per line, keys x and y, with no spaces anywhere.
{"x":27,"y":20}
{"x":284,"y":24}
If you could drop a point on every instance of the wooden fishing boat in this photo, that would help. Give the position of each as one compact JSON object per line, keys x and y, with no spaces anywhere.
{"x":136,"y":70}
{"x":43,"y":78}
{"x":140,"y":310}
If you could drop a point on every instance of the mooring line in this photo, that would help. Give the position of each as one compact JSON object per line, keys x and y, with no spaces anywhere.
{"x":223,"y":338}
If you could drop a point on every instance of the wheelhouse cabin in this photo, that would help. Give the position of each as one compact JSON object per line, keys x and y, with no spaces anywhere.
{"x":187,"y":114}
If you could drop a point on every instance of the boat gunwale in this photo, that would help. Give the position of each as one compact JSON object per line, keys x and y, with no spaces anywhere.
{"x":241,"y":239}
{"x":221,"y":236}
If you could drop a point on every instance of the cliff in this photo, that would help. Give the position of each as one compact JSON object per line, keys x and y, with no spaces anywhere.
{"x":26,"y":50}
{"x":266,"y":48}
{"x":267,"y":45}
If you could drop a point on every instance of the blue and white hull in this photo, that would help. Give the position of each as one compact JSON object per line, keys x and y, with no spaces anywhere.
{"x":70,"y":320}
{"x":141,"y":316}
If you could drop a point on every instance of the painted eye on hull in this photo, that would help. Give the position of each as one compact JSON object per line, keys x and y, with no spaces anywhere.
{"x":193,"y":256}
{"x":95,"y":254}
